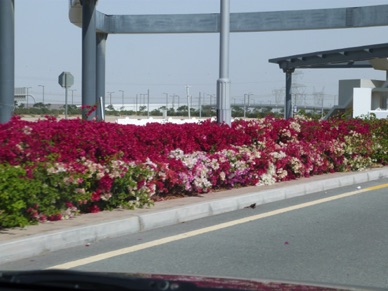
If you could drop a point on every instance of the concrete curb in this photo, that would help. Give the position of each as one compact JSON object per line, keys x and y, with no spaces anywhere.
{"x":16,"y":249}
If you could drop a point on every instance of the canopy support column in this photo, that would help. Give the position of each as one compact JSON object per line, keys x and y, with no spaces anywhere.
{"x":288,"y":99}
{"x":100,"y":73}
{"x":88,"y":57}
{"x":223,"y":83}
{"x":7,"y":59}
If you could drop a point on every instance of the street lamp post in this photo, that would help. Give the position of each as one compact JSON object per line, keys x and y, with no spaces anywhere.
{"x":136,"y":100}
{"x":245,"y":106}
{"x":166,"y":111}
{"x":110,"y":97}
{"x":200,"y":105}
{"x":72,"y":96}
{"x":211,"y":102}
{"x":188,"y":100}
{"x":249,"y":99}
{"x":166,"y":100}
{"x":148,"y":103}
{"x":42,"y":92}
{"x":122,"y":97}
{"x":223,"y":83}
{"x":27,"y":94}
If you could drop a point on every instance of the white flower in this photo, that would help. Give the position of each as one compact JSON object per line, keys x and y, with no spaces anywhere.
{"x":27,"y":130}
{"x":295,"y":126}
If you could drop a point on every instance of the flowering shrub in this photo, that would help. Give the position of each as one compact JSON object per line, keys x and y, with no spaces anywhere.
{"x":379,"y":140}
{"x":54,"y":169}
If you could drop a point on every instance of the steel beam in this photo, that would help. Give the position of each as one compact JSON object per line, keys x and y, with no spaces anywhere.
{"x":355,"y":57}
{"x":100,"y":73}
{"x":7,"y":59}
{"x":245,"y":22}
{"x":223,"y":83}
{"x":89,"y":57}
{"x":352,"y":17}
{"x":288,"y":101}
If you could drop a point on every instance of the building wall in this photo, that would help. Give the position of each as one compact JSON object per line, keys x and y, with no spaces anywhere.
{"x":345,"y":88}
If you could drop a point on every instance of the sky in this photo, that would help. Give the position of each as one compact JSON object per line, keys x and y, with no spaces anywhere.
{"x":46,"y":44}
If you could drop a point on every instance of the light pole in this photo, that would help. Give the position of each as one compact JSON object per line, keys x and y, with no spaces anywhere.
{"x":188,"y":100}
{"x":249,"y":99}
{"x":148,"y":103}
{"x":166,"y":100}
{"x":245,"y":106}
{"x":200,"y":105}
{"x":122,"y":97}
{"x":27,"y":94}
{"x":136,"y":100}
{"x":42,"y":92}
{"x":223,"y":83}
{"x":166,"y":110}
{"x":72,"y":96}
{"x":179,"y":101}
{"x":110,"y":97}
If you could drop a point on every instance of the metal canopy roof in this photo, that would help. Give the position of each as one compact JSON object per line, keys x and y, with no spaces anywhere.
{"x":353,"y":57}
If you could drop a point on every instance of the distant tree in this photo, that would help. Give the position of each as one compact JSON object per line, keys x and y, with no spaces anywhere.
{"x":171,"y":112}
{"x":156,"y":112}
{"x":39,"y":105}
{"x":110,"y":107}
{"x":237,"y":111}
{"x":182,"y":109}
{"x":73,"y":109}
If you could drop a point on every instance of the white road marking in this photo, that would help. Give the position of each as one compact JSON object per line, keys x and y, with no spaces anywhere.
{"x":158,"y":242}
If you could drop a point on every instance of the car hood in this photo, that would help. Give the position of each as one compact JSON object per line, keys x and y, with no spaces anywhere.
{"x":69,"y":280}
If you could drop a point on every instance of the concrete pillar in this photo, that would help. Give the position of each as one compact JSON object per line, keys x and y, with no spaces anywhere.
{"x":224,"y":114}
{"x":88,"y":56}
{"x":288,"y":99}
{"x":7,"y":59}
{"x":100,"y":72}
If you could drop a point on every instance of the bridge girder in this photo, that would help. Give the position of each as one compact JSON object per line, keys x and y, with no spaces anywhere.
{"x":332,"y":18}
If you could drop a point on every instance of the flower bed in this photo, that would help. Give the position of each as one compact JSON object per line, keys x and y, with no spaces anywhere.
{"x":54,"y":169}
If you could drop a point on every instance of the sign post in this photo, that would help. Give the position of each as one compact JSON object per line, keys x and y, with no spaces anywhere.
{"x":66,"y":80}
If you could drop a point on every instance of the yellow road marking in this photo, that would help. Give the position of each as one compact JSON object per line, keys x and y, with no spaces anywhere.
{"x":173,"y":238}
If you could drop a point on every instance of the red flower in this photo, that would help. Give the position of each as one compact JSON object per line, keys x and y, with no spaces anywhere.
{"x":105,"y":183}
{"x":54,"y":217}
{"x":94,"y":209}
{"x":96,"y":195}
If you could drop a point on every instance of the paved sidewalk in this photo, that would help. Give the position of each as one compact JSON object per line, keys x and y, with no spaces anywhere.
{"x":33,"y":240}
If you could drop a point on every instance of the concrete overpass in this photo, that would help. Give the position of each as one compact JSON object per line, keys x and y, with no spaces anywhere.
{"x":96,"y":26}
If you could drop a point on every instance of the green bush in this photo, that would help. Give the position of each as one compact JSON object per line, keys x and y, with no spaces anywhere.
{"x":16,"y":190}
{"x":380,"y":135}
{"x":55,"y":191}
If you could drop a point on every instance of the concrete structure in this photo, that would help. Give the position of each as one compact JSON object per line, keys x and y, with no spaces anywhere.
{"x":369,"y":56}
{"x":218,"y":23}
{"x":7,"y":59}
{"x":96,"y":26}
{"x":370,"y":100}
{"x":365,"y":96}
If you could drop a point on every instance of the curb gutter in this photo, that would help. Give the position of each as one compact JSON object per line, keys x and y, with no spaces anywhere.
{"x":142,"y":220}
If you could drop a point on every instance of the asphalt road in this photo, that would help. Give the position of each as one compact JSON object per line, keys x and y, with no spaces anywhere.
{"x":337,"y":237}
